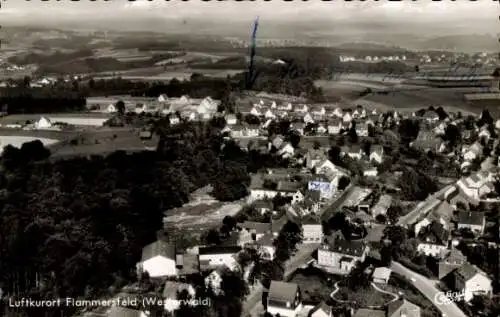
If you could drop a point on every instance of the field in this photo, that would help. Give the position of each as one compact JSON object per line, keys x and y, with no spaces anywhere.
{"x":103,"y":141}
{"x":159,"y":74}
{"x":200,"y":215}
{"x":22,"y":118}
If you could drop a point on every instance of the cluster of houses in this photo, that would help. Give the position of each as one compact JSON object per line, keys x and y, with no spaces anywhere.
{"x":189,"y":108}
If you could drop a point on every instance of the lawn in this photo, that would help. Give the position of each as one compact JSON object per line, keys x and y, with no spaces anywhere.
{"x":364,"y":297}
{"x":314,"y":284}
{"x":398,"y":283}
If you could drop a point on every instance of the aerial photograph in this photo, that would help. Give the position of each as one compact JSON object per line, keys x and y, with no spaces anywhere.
{"x":250,"y":158}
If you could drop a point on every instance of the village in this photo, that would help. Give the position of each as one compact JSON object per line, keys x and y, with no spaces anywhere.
{"x":349,"y":202}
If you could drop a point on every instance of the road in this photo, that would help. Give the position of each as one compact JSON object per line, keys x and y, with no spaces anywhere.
{"x":431,"y":202}
{"x":427,"y":287}
{"x":337,"y":203}
{"x":252,"y":304}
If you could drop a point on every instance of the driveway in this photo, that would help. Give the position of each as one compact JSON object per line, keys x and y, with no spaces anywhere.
{"x":428,"y":288}
{"x":252,"y":305}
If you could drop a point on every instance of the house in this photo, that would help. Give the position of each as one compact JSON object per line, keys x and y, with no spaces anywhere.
{"x":475,"y":221}
{"x":473,"y":152}
{"x":361,"y":129}
{"x":314,"y":157}
{"x":43,"y":123}
{"x":302,"y":109}
{"x":455,"y":196}
{"x":174,"y":120}
{"x":321,"y":129}
{"x":427,"y":141}
{"x":308,"y":119}
{"x":269,"y":114}
{"x":347,"y":118}
{"x":453,"y":260}
{"x":403,"y":308}
{"x":341,"y":255}
{"x":265,"y":246}
{"x":476,"y":185}
{"x":372,"y":120}
{"x":377,"y":154}
{"x":286,"y":150}
{"x":231,"y":119}
{"x":163,"y":98}
{"x":470,"y":281}
{"x":256,"y":229}
{"x":354,"y":152}
{"x":433,"y":240}
{"x":370,"y":171}
{"x":321,"y":310}
{"x":213,"y":256}
{"x":312,"y":230}
{"x":206,"y":106}
{"x":381,"y":275}
{"x":111,"y":108}
{"x":442,"y":214}
{"x":254,"y":111}
{"x":431,"y":116}
{"x":284,"y":299}
{"x":381,"y":207}
{"x":310,"y":205}
{"x":171,"y":291}
{"x":158,"y":259}
{"x":334,"y":126}
{"x":299,"y":127}
{"x":484,"y":133}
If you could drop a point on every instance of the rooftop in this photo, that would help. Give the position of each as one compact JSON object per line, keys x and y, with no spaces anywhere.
{"x":282,"y":291}
{"x":158,"y":248}
{"x":471,"y":218}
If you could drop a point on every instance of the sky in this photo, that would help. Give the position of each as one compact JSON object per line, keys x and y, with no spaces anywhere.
{"x":479,"y":16}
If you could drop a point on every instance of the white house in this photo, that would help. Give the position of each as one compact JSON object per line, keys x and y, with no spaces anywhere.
{"x":286,"y":150}
{"x":312,"y":231}
{"x":338,"y":112}
{"x":158,"y":259}
{"x":214,"y":280}
{"x":471,"y":281}
{"x":334,"y":127}
{"x":321,"y":310}
{"x":255,"y":112}
{"x":476,"y":185}
{"x":377,"y":154}
{"x":381,"y":275}
{"x":213,"y":256}
{"x":163,"y":98}
{"x":341,"y":256}
{"x":284,"y":299}
{"x":111,"y":108}
{"x":206,"y":106}
{"x":308,"y":118}
{"x":347,"y":117}
{"x":433,"y":240}
{"x":43,"y":123}
{"x":269,"y":114}
{"x":231,"y":119}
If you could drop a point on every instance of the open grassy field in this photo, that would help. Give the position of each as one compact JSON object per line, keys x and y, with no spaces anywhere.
{"x":200,"y":216}
{"x":103,"y":141}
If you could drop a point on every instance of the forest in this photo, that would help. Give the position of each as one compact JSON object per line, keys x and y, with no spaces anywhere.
{"x":76,"y":227}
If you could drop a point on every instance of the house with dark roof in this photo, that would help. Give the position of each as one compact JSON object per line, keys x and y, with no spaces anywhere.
{"x":210,"y":257}
{"x":472,"y":220}
{"x":158,"y":259}
{"x":340,"y":255}
{"x":433,"y":240}
{"x":354,"y":151}
{"x":402,"y":308}
{"x":321,"y":310}
{"x":450,"y":262}
{"x":256,"y":229}
{"x":284,"y":299}
{"x":469,"y":281}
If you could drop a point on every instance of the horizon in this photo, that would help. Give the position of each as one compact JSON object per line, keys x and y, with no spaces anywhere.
{"x":425,"y":17}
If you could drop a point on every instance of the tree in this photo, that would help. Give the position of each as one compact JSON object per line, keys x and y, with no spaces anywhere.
{"x":408,"y":130}
{"x":393,"y":213}
{"x":334,"y":154}
{"x":343,"y":182}
{"x":452,"y":134}
{"x":120,"y":107}
{"x":294,"y":139}
{"x":212,"y":237}
{"x":229,"y":222}
{"x":316,"y":145}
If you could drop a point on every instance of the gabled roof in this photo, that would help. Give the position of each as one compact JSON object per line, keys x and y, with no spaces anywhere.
{"x":259,"y":227}
{"x":282,"y":291}
{"x":466,"y":271}
{"x":346,"y":247}
{"x":471,"y":218}
{"x":218,"y":250}
{"x":435,"y":233}
{"x":455,"y":257}
{"x":158,"y":248}
{"x":402,"y":307}
{"x":382,"y":205}
{"x":321,"y":307}
{"x":284,"y":186}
